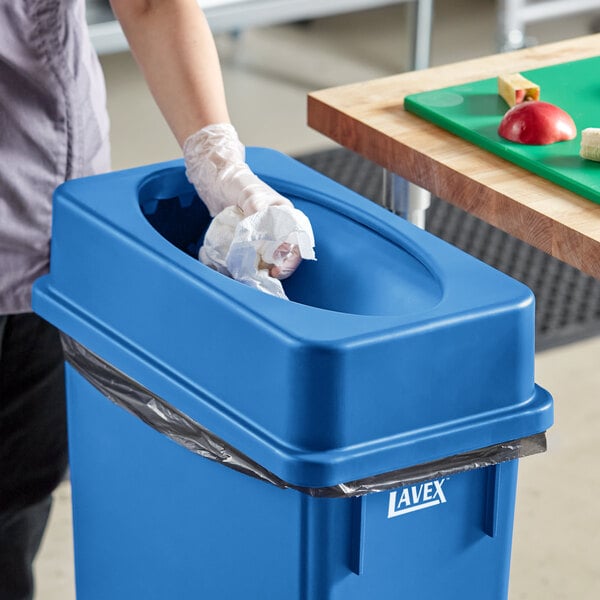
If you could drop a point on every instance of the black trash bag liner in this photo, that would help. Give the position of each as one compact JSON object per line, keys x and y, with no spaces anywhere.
{"x":166,"y":419}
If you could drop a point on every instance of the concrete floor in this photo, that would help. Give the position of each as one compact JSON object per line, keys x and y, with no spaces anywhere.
{"x":557,"y":526}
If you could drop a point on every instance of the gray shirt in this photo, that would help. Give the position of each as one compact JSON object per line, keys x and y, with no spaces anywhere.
{"x":53,"y":127}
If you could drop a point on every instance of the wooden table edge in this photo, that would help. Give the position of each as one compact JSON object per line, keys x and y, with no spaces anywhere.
{"x":333,"y":113}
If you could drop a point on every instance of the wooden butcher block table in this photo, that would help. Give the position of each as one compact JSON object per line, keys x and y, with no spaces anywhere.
{"x":370,"y":118}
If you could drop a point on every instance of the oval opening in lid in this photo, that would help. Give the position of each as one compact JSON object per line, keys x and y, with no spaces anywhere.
{"x":357,"y":271}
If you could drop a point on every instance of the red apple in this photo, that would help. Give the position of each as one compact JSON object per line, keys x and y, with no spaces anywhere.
{"x":537,"y":123}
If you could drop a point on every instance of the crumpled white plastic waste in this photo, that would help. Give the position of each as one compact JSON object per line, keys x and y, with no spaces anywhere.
{"x":260,"y":249}
{"x":256,"y":236}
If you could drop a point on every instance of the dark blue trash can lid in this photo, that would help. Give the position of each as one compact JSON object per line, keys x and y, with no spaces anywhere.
{"x":395,"y":350}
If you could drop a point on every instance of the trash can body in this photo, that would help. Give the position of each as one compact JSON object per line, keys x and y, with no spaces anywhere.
{"x":153,"y":520}
{"x":395,"y":350}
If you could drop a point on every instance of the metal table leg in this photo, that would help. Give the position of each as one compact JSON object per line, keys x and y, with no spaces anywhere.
{"x":405,"y":199}
{"x":421,"y":23}
{"x":400,"y":196}
{"x":515,"y":15}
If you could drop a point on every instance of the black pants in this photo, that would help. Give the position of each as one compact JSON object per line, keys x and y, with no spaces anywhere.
{"x":33,"y":443}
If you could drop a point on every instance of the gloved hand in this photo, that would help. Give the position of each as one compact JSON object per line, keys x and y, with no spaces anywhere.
{"x":248,"y":239}
{"x":258,"y":250}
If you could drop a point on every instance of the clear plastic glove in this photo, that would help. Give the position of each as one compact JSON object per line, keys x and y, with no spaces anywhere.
{"x":263,"y":249}
{"x":215,"y":162}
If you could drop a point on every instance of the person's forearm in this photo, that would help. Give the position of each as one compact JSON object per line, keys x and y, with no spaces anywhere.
{"x":174,"y":47}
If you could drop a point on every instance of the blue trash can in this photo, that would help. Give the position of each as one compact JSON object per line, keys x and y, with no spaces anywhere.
{"x":373,"y":423}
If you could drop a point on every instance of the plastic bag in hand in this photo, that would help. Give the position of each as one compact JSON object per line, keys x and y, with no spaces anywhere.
{"x":261,"y":249}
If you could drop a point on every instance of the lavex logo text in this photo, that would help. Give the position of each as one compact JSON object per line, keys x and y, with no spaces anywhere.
{"x":416,"y":497}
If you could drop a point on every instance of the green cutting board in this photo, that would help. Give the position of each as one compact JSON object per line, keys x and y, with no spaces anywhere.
{"x":473,"y":111}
